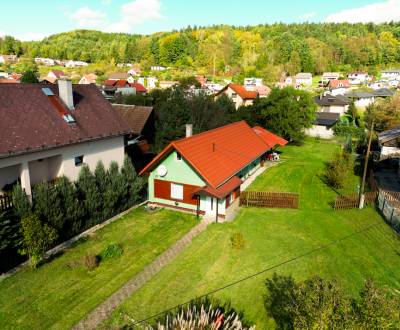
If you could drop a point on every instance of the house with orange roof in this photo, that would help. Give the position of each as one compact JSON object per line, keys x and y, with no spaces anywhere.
{"x":238,"y":94}
{"x":203,"y":173}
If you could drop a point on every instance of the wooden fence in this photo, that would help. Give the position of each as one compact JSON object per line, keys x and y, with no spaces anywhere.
{"x":352,"y":201}
{"x":5,"y":203}
{"x":269,"y":199}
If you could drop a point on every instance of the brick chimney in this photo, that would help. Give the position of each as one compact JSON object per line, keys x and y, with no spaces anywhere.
{"x":65,"y":92}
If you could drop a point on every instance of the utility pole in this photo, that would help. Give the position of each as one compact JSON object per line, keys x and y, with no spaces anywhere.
{"x":362,"y":196}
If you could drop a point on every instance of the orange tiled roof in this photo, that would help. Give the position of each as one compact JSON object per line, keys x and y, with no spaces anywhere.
{"x":268,"y":137}
{"x":219,"y":154}
{"x":243,"y":92}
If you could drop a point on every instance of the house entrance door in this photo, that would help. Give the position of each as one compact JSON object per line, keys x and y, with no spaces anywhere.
{"x":211,"y":205}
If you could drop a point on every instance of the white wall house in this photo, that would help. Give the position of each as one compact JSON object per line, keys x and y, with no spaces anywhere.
{"x":391,"y":73}
{"x":57,"y":133}
{"x":361,"y":99}
{"x":332,"y":104}
{"x":357,"y":78}
{"x":304,"y":78}
{"x":327,"y":76}
{"x":238,"y":94}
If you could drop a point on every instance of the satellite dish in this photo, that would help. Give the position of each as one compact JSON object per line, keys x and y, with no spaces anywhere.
{"x":162,"y":170}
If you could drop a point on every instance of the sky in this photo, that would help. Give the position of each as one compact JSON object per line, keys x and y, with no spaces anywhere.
{"x":38,"y":19}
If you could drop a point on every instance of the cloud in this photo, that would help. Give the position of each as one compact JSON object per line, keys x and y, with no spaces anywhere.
{"x":87,"y":17}
{"x":380,"y":12}
{"x":134,"y":13}
{"x":106,"y":2}
{"x":308,"y":15}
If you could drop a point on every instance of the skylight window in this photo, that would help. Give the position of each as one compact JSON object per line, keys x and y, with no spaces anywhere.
{"x":47,"y":91}
{"x":69,"y":119}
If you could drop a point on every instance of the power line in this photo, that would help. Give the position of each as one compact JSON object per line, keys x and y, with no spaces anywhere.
{"x":322,"y":247}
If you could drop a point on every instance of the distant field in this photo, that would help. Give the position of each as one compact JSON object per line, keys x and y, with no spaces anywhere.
{"x":273,"y":236}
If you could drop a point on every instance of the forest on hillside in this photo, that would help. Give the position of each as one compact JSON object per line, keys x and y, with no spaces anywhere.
{"x":263,"y":50}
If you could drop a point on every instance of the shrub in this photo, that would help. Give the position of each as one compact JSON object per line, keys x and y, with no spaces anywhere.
{"x":90,"y":261}
{"x":237,"y":241}
{"x":337,"y":170}
{"x":111,"y":251}
{"x":20,"y":201}
{"x":37,"y":238}
{"x":201,"y":314}
{"x":47,"y":204}
{"x":316,"y":303}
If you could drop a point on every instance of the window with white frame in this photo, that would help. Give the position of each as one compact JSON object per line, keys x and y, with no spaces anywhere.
{"x":176,"y":191}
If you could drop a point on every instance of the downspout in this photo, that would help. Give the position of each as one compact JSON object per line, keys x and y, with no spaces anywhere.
{"x":216,"y":213}
{"x":198,"y":206}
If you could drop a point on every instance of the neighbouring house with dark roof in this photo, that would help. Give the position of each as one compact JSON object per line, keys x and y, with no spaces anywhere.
{"x":238,"y":94}
{"x":361,"y":99}
{"x":47,"y":131}
{"x":332,"y":103}
{"x":203,"y":173}
{"x":140,"y":120}
{"x":389,"y":142}
{"x":323,"y":125}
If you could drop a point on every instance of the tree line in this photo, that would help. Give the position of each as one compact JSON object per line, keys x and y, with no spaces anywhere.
{"x":262,"y":50}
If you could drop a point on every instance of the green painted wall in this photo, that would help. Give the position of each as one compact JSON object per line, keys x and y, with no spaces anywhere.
{"x":178,"y":171}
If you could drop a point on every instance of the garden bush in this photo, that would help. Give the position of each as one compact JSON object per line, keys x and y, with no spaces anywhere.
{"x":111,"y":251}
{"x":200,"y":314}
{"x":37,"y":238}
{"x":237,"y":241}
{"x":337,"y":170}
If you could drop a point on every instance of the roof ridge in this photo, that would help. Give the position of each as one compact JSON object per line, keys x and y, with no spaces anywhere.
{"x":211,"y":130}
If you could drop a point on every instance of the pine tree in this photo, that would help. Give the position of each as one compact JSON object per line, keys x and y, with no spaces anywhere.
{"x":116,"y":190}
{"x":72,"y":208}
{"x":47,"y":205}
{"x":134,"y":183}
{"x":20,"y":201}
{"x":90,"y":194}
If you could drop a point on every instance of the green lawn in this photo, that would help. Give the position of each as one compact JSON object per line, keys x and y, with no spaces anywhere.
{"x":273,"y":236}
{"x":57,"y":296}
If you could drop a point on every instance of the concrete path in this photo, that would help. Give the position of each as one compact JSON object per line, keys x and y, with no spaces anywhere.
{"x":104,"y":310}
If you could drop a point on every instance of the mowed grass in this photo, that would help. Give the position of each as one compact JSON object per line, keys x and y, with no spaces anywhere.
{"x":277,"y":240}
{"x":56,"y":295}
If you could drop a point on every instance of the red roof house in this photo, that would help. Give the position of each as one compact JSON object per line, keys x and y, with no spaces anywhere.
{"x":199,"y":172}
{"x":335,"y":83}
{"x":238,"y":94}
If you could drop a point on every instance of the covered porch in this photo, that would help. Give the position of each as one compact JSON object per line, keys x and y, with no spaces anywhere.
{"x":29,"y":173}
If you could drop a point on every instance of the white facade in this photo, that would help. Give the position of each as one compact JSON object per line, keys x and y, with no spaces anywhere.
{"x":237,"y":99}
{"x":364,"y":101}
{"x":338,"y":91}
{"x":356,"y":78}
{"x":252,"y":83}
{"x":387,"y":74}
{"x":43,"y":166}
{"x":320,"y":131}
{"x":341,"y":109}
{"x":378,"y":84}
